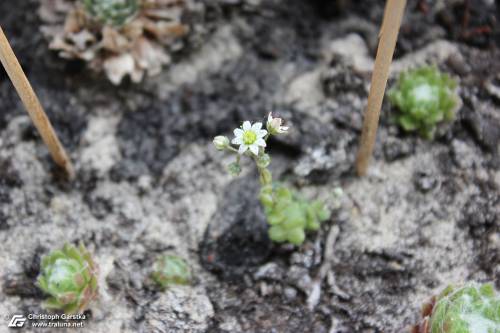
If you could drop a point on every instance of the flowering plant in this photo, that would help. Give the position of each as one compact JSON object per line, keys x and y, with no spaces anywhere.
{"x":288,"y":213}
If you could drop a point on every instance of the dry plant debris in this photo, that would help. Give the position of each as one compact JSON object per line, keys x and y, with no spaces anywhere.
{"x":119,"y":42}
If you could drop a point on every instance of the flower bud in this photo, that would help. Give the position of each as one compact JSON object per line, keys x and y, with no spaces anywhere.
{"x":274,"y":125}
{"x":263,"y":161}
{"x":221,"y":142}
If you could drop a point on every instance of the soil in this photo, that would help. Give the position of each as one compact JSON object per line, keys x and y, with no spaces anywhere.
{"x":149,"y":180}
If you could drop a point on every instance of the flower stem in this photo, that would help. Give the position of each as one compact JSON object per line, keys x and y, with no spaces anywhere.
{"x":234,"y":150}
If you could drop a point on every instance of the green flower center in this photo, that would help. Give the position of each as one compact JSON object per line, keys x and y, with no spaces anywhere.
{"x":249,"y":137}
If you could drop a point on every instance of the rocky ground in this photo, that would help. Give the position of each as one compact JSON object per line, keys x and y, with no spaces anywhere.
{"x":149,"y":180}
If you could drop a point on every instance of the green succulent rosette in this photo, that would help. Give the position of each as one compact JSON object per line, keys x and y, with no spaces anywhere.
{"x":424,"y":97}
{"x":112,"y":12}
{"x":471,"y":308}
{"x":170,"y":270}
{"x":69,"y":276}
{"x":291,"y":216}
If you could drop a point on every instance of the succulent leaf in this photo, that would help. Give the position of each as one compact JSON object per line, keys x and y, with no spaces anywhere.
{"x":425,"y":97}
{"x":296,"y":236}
{"x":266,"y":199}
{"x":277,"y":233}
{"x":291,"y":216}
{"x":112,"y":12}
{"x":470,"y":308}
{"x":69,"y":277}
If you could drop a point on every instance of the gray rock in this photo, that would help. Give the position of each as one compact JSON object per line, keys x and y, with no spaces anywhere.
{"x":484,"y":123}
{"x":463,"y":155}
{"x":395,"y":149}
{"x":299,"y":277}
{"x":179,"y":309}
{"x":270,"y":271}
{"x":290,"y":293}
{"x":425,"y":181}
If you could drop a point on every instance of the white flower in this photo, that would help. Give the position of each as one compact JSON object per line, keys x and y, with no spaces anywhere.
{"x":274,"y":125}
{"x":250,"y":137}
{"x":221,"y":142}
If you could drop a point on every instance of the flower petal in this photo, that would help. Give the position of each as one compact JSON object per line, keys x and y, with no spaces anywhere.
{"x":247,"y":126}
{"x":242,"y":149}
{"x":238,"y":132}
{"x":237,"y":141}
{"x":256,"y":127}
{"x":260,"y":142}
{"x":261,"y":133}
{"x":254,"y":149}
{"x":270,"y":117}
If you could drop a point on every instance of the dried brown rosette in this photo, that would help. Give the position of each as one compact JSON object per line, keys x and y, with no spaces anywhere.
{"x":120,"y":37}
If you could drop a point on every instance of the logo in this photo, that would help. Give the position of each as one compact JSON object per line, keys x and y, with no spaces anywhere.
{"x":17,"y":321}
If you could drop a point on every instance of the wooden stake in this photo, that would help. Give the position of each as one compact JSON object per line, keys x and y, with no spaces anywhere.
{"x":391,"y":23}
{"x":32,"y":105}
